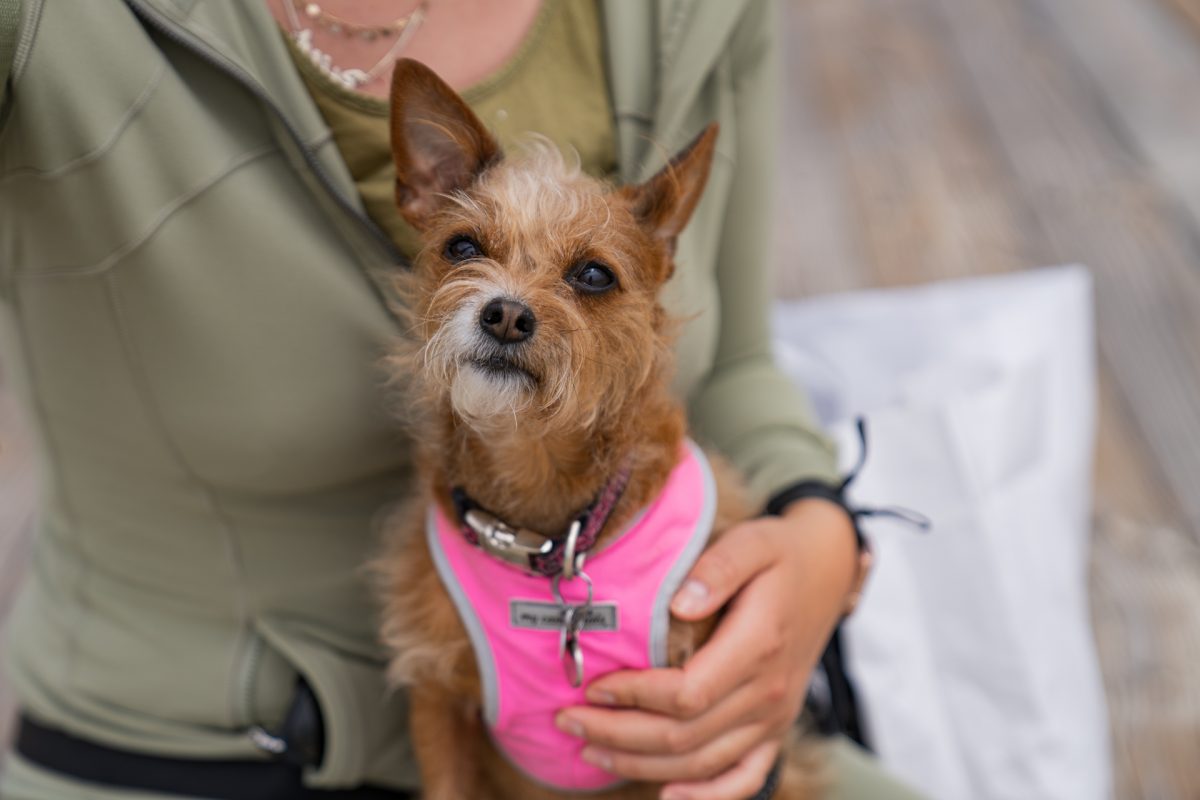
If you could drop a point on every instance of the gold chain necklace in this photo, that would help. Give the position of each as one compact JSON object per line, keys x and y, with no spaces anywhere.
{"x":404,"y":29}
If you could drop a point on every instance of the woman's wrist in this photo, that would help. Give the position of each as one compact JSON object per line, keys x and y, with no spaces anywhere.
{"x":828,"y":532}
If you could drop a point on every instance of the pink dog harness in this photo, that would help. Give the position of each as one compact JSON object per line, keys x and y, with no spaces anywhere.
{"x":521,"y":627}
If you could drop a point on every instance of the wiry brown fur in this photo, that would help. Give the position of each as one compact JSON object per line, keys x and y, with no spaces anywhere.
{"x":537,"y":445}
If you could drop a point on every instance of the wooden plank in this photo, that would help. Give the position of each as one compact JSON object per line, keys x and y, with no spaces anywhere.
{"x":1098,"y":204}
{"x":874,"y":64}
{"x":818,"y":246}
{"x":1147,"y":66}
{"x":1144,"y":595}
{"x":930,"y":194}
{"x":1143,"y":592}
{"x":1128,"y":483}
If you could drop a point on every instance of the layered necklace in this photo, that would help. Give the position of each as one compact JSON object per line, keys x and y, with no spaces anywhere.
{"x":403,"y":28}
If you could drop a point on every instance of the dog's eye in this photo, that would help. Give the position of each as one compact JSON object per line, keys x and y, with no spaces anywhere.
{"x":592,"y":277}
{"x":462,"y":248}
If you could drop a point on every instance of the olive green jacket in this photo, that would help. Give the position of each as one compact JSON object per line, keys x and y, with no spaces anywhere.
{"x":192,"y":306}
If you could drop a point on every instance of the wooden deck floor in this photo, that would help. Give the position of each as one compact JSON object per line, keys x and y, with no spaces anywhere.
{"x":929,"y":139}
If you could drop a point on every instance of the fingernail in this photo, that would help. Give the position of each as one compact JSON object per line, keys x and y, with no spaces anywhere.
{"x":690,"y":598}
{"x":601,"y":697}
{"x":598,"y":757}
{"x":571,"y":726}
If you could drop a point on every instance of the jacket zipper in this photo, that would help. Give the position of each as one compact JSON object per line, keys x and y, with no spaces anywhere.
{"x":183,"y":37}
{"x":251,"y":655}
{"x":26,"y":39}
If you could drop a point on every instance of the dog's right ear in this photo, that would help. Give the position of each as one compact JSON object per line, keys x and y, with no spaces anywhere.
{"x":438,"y":143}
{"x":665,"y":203}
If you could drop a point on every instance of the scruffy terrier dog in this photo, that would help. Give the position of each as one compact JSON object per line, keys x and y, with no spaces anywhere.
{"x":562,"y":504}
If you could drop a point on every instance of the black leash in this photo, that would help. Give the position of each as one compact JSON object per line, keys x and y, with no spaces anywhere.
{"x":772,"y":783}
{"x":833,"y":702}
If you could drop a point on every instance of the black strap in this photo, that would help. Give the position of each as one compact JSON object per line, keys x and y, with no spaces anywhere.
{"x":771,"y":784}
{"x":847,"y":718}
{"x":837,"y":710}
{"x":219,"y":780}
{"x":88,"y":761}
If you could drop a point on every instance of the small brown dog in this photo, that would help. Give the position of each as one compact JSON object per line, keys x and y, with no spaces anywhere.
{"x":540,"y":371}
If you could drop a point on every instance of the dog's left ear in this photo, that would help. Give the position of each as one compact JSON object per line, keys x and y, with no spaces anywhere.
{"x":438,"y":143}
{"x":665,"y":203}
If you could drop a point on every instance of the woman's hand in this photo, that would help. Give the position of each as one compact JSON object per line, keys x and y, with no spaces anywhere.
{"x":712,"y":729}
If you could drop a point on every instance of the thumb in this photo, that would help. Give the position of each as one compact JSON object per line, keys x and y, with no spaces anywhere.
{"x":724,"y":568}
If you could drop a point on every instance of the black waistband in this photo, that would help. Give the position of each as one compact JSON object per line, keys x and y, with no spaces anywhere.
{"x":87,"y":761}
{"x":219,"y":780}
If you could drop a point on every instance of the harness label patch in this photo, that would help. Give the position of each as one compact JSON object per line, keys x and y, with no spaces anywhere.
{"x":537,"y":616}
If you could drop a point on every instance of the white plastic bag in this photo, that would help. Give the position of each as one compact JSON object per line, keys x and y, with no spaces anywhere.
{"x":972,"y":649}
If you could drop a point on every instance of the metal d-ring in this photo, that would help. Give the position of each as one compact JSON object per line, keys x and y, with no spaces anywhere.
{"x":583,"y":576}
{"x":572,"y":657}
{"x":569,"y":565}
{"x":574,"y":622}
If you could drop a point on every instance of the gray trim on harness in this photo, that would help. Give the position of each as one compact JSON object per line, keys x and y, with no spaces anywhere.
{"x":484,"y":657}
{"x":660,"y":622}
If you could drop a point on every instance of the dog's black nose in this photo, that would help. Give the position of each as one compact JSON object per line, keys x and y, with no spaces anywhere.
{"x":507,"y":321}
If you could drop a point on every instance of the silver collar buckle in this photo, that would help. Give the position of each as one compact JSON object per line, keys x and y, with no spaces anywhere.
{"x":517,"y":546}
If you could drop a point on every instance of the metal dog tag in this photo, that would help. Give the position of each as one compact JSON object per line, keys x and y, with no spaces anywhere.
{"x":574,"y":620}
{"x":567,"y":632}
{"x":535,"y":615}
{"x":572,"y":660}
{"x":569,"y":651}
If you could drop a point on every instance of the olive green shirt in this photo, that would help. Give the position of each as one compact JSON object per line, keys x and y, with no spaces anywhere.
{"x":192,"y":305}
